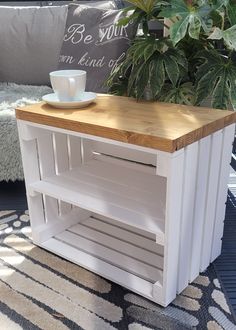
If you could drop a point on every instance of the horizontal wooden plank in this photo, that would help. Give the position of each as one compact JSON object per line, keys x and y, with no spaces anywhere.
{"x":128,"y":233}
{"x":113,"y":257}
{"x":150,"y":169}
{"x":162,"y":126}
{"x":117,"y":243}
{"x":108,"y":196}
{"x":102,"y":268}
{"x":127,"y":183}
{"x":124,"y":153}
{"x":60,"y":188}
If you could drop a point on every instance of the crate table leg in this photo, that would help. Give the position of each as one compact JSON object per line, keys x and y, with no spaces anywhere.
{"x":187,"y":214}
{"x":199,"y":208}
{"x":32,"y":173}
{"x":171,"y":166}
{"x":211,"y":198}
{"x":226,"y":151}
{"x":39,"y":155}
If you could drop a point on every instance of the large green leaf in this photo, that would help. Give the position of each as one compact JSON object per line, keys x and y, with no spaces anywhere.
{"x":231,"y":12}
{"x":189,"y":18}
{"x":218,"y":4}
{"x":142,"y":48}
{"x":145,"y":5}
{"x":131,"y":14}
{"x":150,"y":62}
{"x":194,"y":26}
{"x":141,"y":4}
{"x":172,"y":68}
{"x":182,"y":94}
{"x":134,"y":78}
{"x":142,"y":83}
{"x":157,"y":77}
{"x":175,"y":8}
{"x":229,"y":36}
{"x":179,"y":29}
{"x":216,"y":77}
{"x":233,"y":95}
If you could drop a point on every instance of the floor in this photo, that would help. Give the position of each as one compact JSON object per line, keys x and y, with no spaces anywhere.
{"x":225,"y":265}
{"x":12,"y":197}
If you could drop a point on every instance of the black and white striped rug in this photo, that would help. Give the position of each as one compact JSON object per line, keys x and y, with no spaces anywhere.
{"x":39,"y":290}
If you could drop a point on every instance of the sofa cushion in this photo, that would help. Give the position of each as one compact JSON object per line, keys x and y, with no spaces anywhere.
{"x":98,"y":4}
{"x":30,"y":39}
{"x":93,"y":42}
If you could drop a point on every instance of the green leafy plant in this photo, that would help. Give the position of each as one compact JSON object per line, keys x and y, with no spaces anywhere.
{"x":194,"y":62}
{"x":150,"y":62}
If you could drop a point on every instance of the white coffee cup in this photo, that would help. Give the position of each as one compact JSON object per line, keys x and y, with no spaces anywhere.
{"x":68,"y":85}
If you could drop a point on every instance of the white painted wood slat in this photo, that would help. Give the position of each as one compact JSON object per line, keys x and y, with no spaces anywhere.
{"x":125,"y":153}
{"x":118,"y":244}
{"x":45,"y":231}
{"x":213,"y":182}
{"x":47,"y":168}
{"x":228,"y":137}
{"x":127,"y":233}
{"x":154,"y":198}
{"x":102,"y":268}
{"x":32,"y":174}
{"x":126,"y":177}
{"x":199,"y":209}
{"x":113,"y":257}
{"x":126,"y":163}
{"x":126,"y":227}
{"x":186,"y":224}
{"x":107,"y":197}
{"x":28,"y":146}
{"x":93,"y":204}
{"x":61,"y":155}
{"x":74,"y":150}
{"x":175,"y":174}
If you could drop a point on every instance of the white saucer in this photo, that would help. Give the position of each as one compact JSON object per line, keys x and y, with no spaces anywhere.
{"x":87,"y":98}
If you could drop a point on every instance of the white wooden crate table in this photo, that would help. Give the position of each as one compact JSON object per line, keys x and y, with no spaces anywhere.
{"x":132,"y":191}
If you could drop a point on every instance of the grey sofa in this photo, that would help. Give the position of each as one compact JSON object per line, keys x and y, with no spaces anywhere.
{"x":30,"y":39}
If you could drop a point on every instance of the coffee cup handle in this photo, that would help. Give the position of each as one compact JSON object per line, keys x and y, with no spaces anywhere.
{"x":72,"y":87}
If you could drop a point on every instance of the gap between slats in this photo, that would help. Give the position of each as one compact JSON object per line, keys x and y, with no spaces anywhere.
{"x":118,"y":245}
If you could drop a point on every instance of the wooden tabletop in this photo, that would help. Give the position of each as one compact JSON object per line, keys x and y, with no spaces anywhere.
{"x":162,"y":126}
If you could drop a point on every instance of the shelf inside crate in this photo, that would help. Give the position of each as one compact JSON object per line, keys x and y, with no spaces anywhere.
{"x":112,"y":191}
{"x":91,"y":245}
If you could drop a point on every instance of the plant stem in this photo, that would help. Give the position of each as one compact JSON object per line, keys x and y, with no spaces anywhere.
{"x":223,"y":22}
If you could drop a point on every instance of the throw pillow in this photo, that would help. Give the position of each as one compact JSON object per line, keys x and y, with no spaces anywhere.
{"x":93,"y":42}
{"x":30,"y":39}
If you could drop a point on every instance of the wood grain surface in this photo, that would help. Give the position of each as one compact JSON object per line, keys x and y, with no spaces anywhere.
{"x":163,"y":126}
